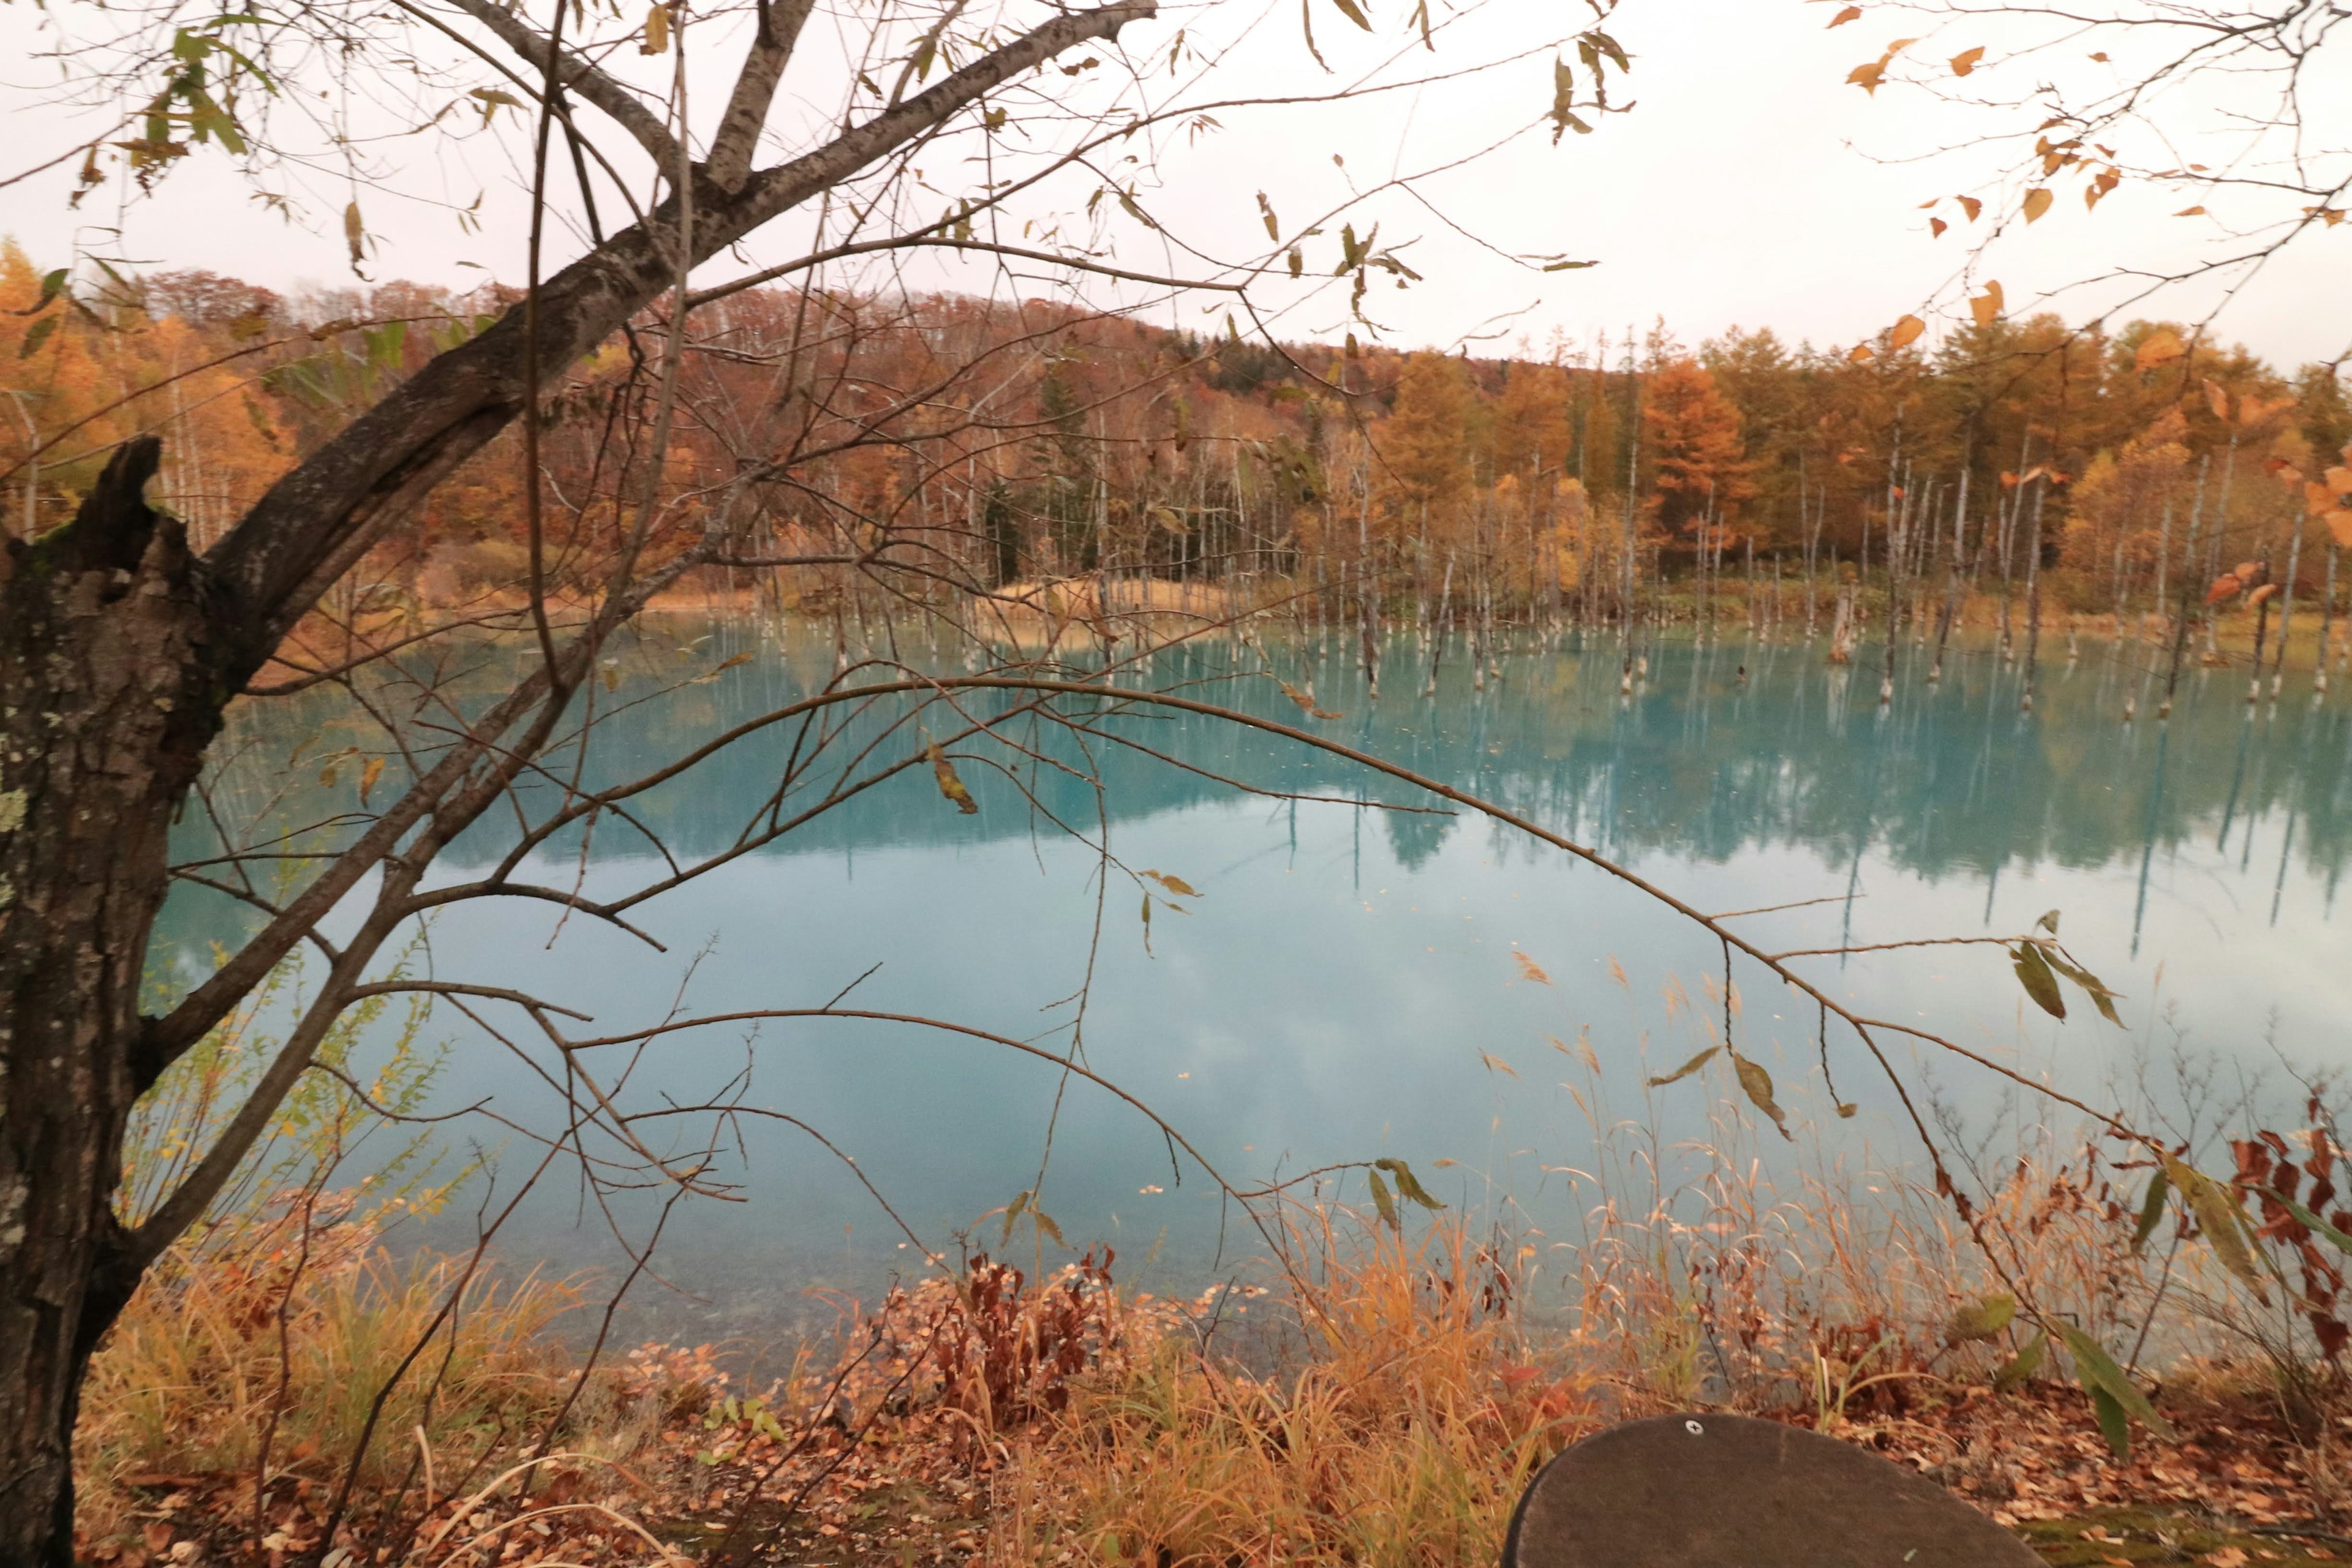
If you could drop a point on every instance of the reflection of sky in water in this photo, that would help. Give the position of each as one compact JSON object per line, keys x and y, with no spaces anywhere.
{"x":1335,"y":991}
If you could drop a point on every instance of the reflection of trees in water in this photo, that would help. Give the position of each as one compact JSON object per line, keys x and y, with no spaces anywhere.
{"x":1414,"y":836}
{"x":1950,"y":781}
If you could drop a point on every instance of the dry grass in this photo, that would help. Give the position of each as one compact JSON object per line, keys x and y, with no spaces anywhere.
{"x":263,"y":1355}
{"x":1403,"y":1437}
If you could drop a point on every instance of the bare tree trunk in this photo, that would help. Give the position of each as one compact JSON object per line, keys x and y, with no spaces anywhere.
{"x":2034,"y":595}
{"x":107,"y":688}
{"x":2286,"y":605}
{"x":2326,"y":624}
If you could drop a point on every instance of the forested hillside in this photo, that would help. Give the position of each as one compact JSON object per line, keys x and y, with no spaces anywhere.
{"x":1570,"y":477}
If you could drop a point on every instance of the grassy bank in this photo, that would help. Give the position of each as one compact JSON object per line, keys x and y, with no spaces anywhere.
{"x":1373,"y":1392}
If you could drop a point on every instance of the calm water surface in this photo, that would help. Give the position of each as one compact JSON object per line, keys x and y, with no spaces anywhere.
{"x":1348,"y":983}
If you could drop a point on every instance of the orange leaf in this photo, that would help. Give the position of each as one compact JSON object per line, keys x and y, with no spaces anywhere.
{"x":1867,"y":75}
{"x":2340,"y":528}
{"x":1848,"y":15}
{"x":1969,"y":205}
{"x":1986,"y":307}
{"x":2037,"y":202}
{"x":1862,"y":354}
{"x":2217,"y":401}
{"x":2190,"y":212}
{"x":2339,"y":479}
{"x":1965,"y":60}
{"x":1935,"y":228}
{"x":2318,"y":498}
{"x":2258,"y":595}
{"x":1906,"y":332}
{"x":1531,"y":970}
{"x":2225,"y":586}
{"x":2161,"y":346}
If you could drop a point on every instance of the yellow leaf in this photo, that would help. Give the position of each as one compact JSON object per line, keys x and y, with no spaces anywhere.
{"x":368,"y":776}
{"x":354,"y":233}
{"x":1867,"y":75}
{"x":1848,"y":15}
{"x":656,"y":41}
{"x":1177,"y":885}
{"x":1986,"y":307}
{"x":2190,"y":212}
{"x":2159,"y":347}
{"x":1906,"y":332}
{"x":2037,"y":202}
{"x":951,"y":785}
{"x":1758,"y":1085}
{"x":1980,"y":1320}
{"x":1965,"y":60}
{"x":1687,"y":1069}
{"x":1531,"y":970}
{"x":1862,"y":354}
{"x":2221,"y":1219}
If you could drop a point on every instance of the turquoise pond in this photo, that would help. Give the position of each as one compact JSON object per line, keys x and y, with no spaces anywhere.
{"x":1348,"y":983}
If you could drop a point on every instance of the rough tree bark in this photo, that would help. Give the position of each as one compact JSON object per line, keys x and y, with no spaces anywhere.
{"x":109,"y":694}
{"x":118,"y":654}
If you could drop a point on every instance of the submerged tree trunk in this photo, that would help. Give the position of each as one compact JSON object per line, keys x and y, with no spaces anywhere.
{"x":106,"y":714}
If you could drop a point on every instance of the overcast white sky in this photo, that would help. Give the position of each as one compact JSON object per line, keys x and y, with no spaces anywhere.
{"x":1750,"y":186}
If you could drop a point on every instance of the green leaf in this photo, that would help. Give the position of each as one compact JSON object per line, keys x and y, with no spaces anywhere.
{"x":2151,"y":1210}
{"x":2021,"y":1365}
{"x":1687,"y":1067}
{"x":1382,"y":1202}
{"x":53,"y":283}
{"x":1045,"y":1222}
{"x":2033,"y":973}
{"x":1407,"y":1182}
{"x":2112,"y":1423}
{"x":2101,"y":997}
{"x":37,"y":336}
{"x":1013,"y":1211}
{"x":2097,"y":1369}
{"x":2049,"y":922}
{"x":1981,"y":1319}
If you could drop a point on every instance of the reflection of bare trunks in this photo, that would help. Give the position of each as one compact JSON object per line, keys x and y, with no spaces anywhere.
{"x":1842,"y":628}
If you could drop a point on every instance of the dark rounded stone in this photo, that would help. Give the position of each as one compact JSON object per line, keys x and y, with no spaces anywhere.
{"x":1724,"y":1491}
